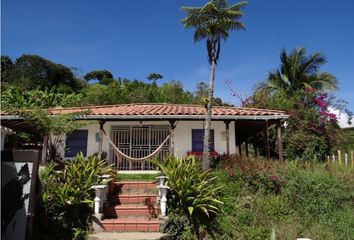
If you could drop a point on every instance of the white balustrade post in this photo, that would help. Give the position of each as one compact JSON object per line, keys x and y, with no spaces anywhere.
{"x":100,"y":198}
{"x":161,"y":182}
{"x":105,"y":179}
{"x":163,"y":200}
{"x":97,"y":205}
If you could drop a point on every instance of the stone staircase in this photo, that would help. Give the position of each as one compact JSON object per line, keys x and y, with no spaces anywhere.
{"x":131,"y":207}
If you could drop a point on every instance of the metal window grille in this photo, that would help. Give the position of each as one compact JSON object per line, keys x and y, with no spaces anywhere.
{"x":137,"y":142}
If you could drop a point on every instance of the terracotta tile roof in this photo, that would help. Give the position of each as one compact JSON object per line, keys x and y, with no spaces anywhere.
{"x":165,"y":110}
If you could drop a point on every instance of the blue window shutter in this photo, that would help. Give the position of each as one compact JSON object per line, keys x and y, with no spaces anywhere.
{"x":198,"y":140}
{"x":76,"y":142}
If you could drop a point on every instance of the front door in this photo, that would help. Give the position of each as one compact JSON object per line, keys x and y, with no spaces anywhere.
{"x":138,"y":142}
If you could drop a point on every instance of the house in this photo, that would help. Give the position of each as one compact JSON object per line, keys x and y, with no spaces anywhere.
{"x":131,"y":134}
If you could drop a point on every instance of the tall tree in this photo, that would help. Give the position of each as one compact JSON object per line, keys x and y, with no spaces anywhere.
{"x":298,"y":71}
{"x":103,"y":76}
{"x":32,"y":71}
{"x":212,"y":22}
{"x":201,"y":93}
{"x":154,"y":77}
{"x":6,"y":69}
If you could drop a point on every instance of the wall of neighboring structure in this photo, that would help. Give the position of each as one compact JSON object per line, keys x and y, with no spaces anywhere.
{"x":182,"y":139}
{"x":4,"y":132}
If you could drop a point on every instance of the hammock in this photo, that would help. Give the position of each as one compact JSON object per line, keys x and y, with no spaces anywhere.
{"x":120,"y":153}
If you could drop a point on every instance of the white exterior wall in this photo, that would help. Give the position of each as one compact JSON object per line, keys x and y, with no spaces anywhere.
{"x":182,"y":139}
{"x":183,"y":136}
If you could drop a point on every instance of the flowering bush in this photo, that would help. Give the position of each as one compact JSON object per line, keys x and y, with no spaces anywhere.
{"x":312,"y":130}
{"x":259,"y":176}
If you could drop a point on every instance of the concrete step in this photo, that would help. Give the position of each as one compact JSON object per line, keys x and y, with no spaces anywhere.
{"x":131,"y":224}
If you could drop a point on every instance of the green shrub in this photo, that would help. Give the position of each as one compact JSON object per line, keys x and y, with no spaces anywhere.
{"x":179,"y":226}
{"x":314,"y":193}
{"x":273,"y":207}
{"x":192,"y":191}
{"x":315,"y":200}
{"x":65,"y":206}
{"x":257,"y":175}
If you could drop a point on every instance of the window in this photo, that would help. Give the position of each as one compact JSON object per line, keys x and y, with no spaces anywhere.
{"x":76,"y":142}
{"x":198,"y":140}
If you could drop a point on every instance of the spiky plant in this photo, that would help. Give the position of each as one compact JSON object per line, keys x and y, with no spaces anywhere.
{"x":212,"y":22}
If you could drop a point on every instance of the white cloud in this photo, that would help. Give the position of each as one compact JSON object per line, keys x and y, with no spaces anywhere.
{"x":341,"y":117}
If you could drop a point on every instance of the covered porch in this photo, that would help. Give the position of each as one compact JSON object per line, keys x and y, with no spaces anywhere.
{"x":130,"y":135}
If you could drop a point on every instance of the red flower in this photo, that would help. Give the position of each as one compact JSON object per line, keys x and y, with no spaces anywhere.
{"x":310,"y":90}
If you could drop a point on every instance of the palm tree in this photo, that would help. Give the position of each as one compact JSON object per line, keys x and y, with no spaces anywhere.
{"x":298,"y":71}
{"x":212,"y":22}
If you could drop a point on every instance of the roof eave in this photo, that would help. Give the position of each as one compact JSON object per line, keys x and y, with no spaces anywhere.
{"x":180,"y":117}
{"x":165,"y":117}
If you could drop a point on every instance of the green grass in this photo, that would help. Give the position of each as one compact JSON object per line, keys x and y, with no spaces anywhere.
{"x":135,"y":177}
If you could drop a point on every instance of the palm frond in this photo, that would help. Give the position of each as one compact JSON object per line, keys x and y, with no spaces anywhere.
{"x":201,"y":34}
{"x":325,"y":81}
{"x":191,"y":10}
{"x":238,"y":6}
{"x":220,"y":3}
{"x":313,"y":63}
{"x":213,"y":21}
{"x":229,"y":24}
{"x":297,"y":71}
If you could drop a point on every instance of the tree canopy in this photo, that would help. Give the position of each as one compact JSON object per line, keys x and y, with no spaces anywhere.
{"x":35,"y":82}
{"x":103,"y":76}
{"x":213,"y":22}
{"x":6,"y":68}
{"x":154,"y":76}
{"x":32,"y":71}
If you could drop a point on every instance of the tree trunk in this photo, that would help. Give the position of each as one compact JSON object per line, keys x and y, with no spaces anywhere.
{"x":45,"y":148}
{"x":206,"y":160}
{"x":279,"y":142}
{"x":266,"y":140}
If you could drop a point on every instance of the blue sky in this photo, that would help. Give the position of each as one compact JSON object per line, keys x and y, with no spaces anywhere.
{"x":134,"y":38}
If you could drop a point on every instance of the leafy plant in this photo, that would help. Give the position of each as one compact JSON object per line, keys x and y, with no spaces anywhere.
{"x":66,"y":201}
{"x":193,"y":191}
{"x":179,"y":226}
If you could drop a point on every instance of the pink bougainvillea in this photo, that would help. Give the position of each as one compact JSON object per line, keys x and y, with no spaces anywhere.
{"x":321,"y":102}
